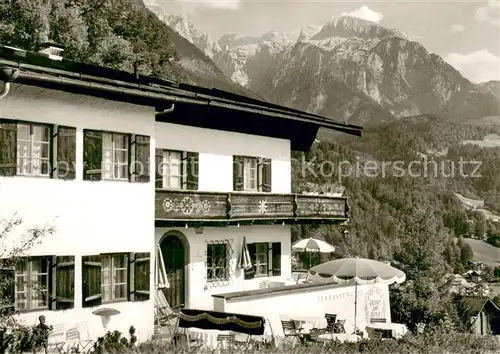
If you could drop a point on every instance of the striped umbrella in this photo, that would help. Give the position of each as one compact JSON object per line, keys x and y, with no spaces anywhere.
{"x":357,"y":271}
{"x":244,"y":262}
{"x":312,"y":245}
{"x":160,"y":274}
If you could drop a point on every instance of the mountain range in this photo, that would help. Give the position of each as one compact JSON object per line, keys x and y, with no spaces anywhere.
{"x":350,"y":69}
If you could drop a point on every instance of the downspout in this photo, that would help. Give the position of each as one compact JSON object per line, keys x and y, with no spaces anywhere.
{"x":168,"y":110}
{"x":6,"y":89}
{"x":7,"y":75}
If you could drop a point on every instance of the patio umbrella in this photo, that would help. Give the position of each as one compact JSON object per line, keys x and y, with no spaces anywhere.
{"x":161,"y":274}
{"x":358,"y":271}
{"x":244,"y":262}
{"x":312,"y":245}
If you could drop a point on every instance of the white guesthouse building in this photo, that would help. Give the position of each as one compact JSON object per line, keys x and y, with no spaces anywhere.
{"x":76,"y":146}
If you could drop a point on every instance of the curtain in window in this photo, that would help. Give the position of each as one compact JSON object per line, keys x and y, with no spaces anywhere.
{"x":107,"y":156}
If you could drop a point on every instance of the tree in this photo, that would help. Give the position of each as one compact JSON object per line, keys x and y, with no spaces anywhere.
{"x":466,"y":255}
{"x":423,"y":299}
{"x":17,"y":244}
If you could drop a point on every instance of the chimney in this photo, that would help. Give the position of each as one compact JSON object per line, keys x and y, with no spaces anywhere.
{"x":51,"y":50}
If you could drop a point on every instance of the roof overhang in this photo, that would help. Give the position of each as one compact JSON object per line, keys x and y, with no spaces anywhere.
{"x":206,"y":108}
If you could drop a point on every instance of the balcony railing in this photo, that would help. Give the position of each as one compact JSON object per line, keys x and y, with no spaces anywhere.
{"x":204,"y":208}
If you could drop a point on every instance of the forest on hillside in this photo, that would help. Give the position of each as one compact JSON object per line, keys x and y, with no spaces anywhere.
{"x":118,"y":34}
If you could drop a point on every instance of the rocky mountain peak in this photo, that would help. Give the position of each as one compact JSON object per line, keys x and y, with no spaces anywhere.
{"x":185,"y":28}
{"x":348,"y":26}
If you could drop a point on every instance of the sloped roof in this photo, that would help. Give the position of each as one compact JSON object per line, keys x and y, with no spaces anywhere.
{"x":36,"y":69}
{"x":475,"y":304}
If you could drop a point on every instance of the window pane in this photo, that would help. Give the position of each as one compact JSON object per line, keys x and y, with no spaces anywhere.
{"x":120,"y":292}
{"x":41,"y":133}
{"x":106,"y":293}
{"x":120,"y":276}
{"x":121,"y":141}
{"x":23,"y":132}
{"x":120,"y":261}
{"x":174,"y":182}
{"x":107,"y":141}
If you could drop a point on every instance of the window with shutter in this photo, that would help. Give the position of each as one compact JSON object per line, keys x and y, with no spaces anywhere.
{"x":261,"y":259}
{"x":32,"y":283}
{"x":7,"y":287}
{"x":8,"y":148}
{"x":92,"y":159}
{"x":64,"y":292}
{"x":177,"y":169}
{"x":192,"y":171}
{"x":276,"y":259}
{"x":159,"y":168}
{"x":91,"y":279}
{"x":238,"y":172}
{"x":34,"y":145}
{"x":141,"y":276}
{"x":66,"y":153}
{"x":114,"y":277}
{"x":265,"y":175}
{"x":141,"y":163}
{"x":115,"y":156}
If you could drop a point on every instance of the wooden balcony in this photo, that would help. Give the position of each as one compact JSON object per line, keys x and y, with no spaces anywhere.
{"x":195,"y":208}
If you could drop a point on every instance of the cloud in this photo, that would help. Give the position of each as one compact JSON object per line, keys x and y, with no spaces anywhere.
{"x":478,"y":66}
{"x":365,"y":13}
{"x":456,"y":28}
{"x":489,"y":13}
{"x":192,"y":5}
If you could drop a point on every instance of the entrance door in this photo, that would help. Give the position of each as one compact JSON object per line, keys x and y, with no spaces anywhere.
{"x":174,"y":256}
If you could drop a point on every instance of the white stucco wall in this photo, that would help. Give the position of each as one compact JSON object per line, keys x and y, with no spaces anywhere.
{"x":216,"y":149}
{"x":372,"y":302}
{"x":199,"y":297}
{"x":89,"y":217}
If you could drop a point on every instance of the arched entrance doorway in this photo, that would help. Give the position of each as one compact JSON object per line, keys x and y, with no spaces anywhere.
{"x":175,"y":250}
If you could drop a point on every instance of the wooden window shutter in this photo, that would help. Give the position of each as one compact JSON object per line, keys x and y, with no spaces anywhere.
{"x":63,"y":280}
{"x":276,"y":259}
{"x":142,"y":275}
{"x":7,"y":287}
{"x":252,"y":249}
{"x":66,"y":153}
{"x":91,"y":281}
{"x":238,"y":167}
{"x":141,"y":159}
{"x":92,"y":158}
{"x":8,"y":148}
{"x":192,"y":171}
{"x":266,"y":176}
{"x":159,"y":168}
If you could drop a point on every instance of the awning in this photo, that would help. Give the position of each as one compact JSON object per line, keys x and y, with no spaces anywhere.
{"x":222,"y":321}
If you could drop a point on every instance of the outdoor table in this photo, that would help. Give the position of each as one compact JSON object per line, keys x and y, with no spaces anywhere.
{"x":343,"y":337}
{"x":310,"y":322}
{"x":398,"y":329}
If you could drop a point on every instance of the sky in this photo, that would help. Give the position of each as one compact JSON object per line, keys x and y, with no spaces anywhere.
{"x":465,"y":33}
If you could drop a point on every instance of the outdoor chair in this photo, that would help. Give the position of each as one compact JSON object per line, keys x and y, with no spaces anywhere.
{"x":339,"y":326}
{"x":166,"y":316}
{"x":57,"y":338}
{"x":291,"y":330}
{"x":85,"y":343}
{"x":330,"y":322}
